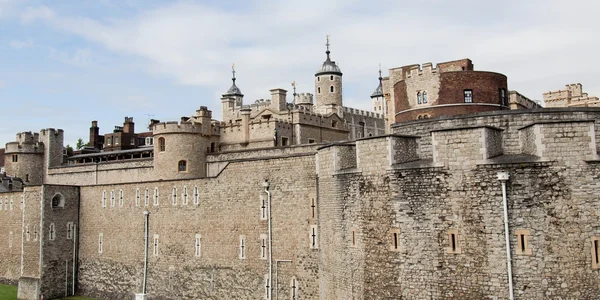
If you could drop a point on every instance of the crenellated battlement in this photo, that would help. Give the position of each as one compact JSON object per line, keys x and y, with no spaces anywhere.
{"x":364,"y":113}
{"x":176,"y":127}
{"x":419,"y":70}
{"x":51,"y":131}
{"x":304,"y":99}
{"x":28,"y":137}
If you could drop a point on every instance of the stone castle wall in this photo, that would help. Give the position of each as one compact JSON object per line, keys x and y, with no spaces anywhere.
{"x":228,"y":207}
{"x":11,"y":218}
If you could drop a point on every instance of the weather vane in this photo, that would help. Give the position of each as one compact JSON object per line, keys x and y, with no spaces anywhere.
{"x":294,"y":85}
{"x":233,"y":71}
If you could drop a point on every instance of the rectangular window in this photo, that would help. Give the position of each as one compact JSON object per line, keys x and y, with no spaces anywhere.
{"x":294,"y":289}
{"x":314,"y":237}
{"x":523,"y":242}
{"x":453,"y":243}
{"x":267,"y":287}
{"x":108,"y":141}
{"x":242,"y":254}
{"x":103,"y":198}
{"x":120,"y":198}
{"x":69,"y":230}
{"x":155,"y":245}
{"x":311,"y":141}
{"x":395,"y":239}
{"x":132,"y":141}
{"x":10,"y":205}
{"x":27,"y":235}
{"x":116,"y":140}
{"x":263,"y":246}
{"x":15,"y":158}
{"x":184,"y":196}
{"x":284,"y":141}
{"x":198,"y":246}
{"x":313,"y":207}
{"x":595,"y":252}
{"x":137,"y":197}
{"x":35,"y":233}
{"x":468,"y":94}
{"x":155,"y":196}
{"x":147,"y":197}
{"x":100,"y":242}
{"x":353,"y":237}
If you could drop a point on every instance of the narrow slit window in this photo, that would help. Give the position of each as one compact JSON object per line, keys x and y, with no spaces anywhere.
{"x":10,"y":239}
{"x":103,"y":198}
{"x":263,"y":206}
{"x":112,"y":198}
{"x":453,"y":242}
{"x":69,"y":230}
{"x":155,"y":245}
{"x":263,"y":246}
{"x":331,"y":89}
{"x":198,"y":245}
{"x":147,"y":197}
{"x":155,"y":196}
{"x":27,"y":234}
{"x":35,"y":233}
{"x":174,"y":196}
{"x":395,"y":239}
{"x":184,"y":196}
{"x":51,"y":232}
{"x":313,"y":208}
{"x":120,"y":198}
{"x":10,"y":205}
{"x":100,"y":242}
{"x":196,"y":196}
{"x":523,"y":247}
{"x":314,"y":237}
{"x":596,"y":252}
{"x":353,"y":232}
{"x":137,"y":197}
{"x":267,"y":287}
{"x":294,"y":288}
{"x":242,"y":247}
{"x":161,"y":144}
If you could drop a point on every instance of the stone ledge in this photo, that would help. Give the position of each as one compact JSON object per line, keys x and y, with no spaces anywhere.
{"x":556,"y":122}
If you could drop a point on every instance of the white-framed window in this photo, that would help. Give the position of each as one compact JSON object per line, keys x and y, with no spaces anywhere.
{"x":35,"y":233}
{"x":27,"y":234}
{"x":70,"y":229}
{"x":10,"y":239}
{"x":174,"y":196}
{"x":112,"y":198}
{"x":267,"y":287}
{"x":137,"y":197}
{"x":294,"y":288}
{"x":51,"y":232}
{"x":196,"y":196}
{"x":147,"y":197}
{"x":100,"y":242}
{"x":424,"y":97}
{"x":155,"y":245}
{"x":120,"y":198}
{"x":22,"y":202}
{"x":242,"y":252}
{"x":104,"y":199}
{"x":419,"y":98}
{"x":0,"y":204}
{"x":10,"y":205}
{"x":184,"y":196}
{"x":132,"y":142}
{"x":263,"y":246}
{"x":468,"y":95}
{"x":313,"y":207}
{"x":156,"y":196}
{"x":314,"y":237}
{"x":198,"y":245}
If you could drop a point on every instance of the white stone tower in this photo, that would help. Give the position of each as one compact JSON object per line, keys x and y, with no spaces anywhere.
{"x":377,"y":98}
{"x":328,"y":86}
{"x":232,"y":100}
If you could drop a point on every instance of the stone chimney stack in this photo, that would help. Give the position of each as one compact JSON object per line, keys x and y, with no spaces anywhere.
{"x":95,"y":135}
{"x":128,"y":125}
{"x":278,"y":101}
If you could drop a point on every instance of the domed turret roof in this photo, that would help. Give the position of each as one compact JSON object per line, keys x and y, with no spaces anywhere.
{"x":233,"y":90}
{"x":379,"y":90}
{"x":328,"y":66}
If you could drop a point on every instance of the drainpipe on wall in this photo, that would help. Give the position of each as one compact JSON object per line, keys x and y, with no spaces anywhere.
{"x":503,"y":177}
{"x":146,"y":217}
{"x":266,"y":186}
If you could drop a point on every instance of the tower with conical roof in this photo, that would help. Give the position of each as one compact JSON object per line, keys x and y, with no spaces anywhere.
{"x":377,"y":98}
{"x":328,"y":86}
{"x":232,"y":99}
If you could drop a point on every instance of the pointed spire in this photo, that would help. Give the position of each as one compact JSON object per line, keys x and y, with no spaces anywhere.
{"x":233,"y":90}
{"x":233,"y":72}
{"x":294,"y":85}
{"x":327,"y":45}
{"x":379,"y":90}
{"x":380,"y":78}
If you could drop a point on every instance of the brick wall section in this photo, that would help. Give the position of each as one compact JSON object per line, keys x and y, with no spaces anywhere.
{"x":229,"y":207}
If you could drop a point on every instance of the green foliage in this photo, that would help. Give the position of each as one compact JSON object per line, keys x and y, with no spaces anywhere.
{"x":79,"y":144}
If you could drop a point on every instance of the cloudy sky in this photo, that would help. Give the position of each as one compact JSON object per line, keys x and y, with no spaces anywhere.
{"x":65,"y":63}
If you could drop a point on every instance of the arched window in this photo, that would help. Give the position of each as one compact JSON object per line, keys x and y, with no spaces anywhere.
{"x":419,"y":117}
{"x":318,"y":90}
{"x":182,"y":166}
{"x":424,"y":97}
{"x":331,"y":88}
{"x":58,"y":201}
{"x":331,"y":77}
{"x":161,"y":144}
{"x":426,"y":117}
{"x":318,"y":78}
{"x":419,"y":98}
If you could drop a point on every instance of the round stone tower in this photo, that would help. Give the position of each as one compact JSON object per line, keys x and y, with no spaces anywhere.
{"x":24,"y":158}
{"x":180,"y":150}
{"x":328,"y":85}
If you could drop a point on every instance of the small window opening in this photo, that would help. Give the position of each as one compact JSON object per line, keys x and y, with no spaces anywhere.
{"x":15,"y":158}
{"x":311,"y":141}
{"x":318,"y":78}
{"x":424,"y":97}
{"x":184,"y":196}
{"x":353,"y":237}
{"x":294,"y":289}
{"x":100,"y":242}
{"x":419,"y":98}
{"x":523,"y":247}
{"x":468,"y":95}
{"x":137,"y":197}
{"x":51,"y":232}
{"x":263,"y":246}
{"x":212,"y":147}
{"x":318,"y":90}
{"x":197,"y":245}
{"x":26,"y":177}
{"x":103,"y":198}
{"x":155,"y":196}
{"x":156,"y":245}
{"x":242,"y":247}
{"x":174,"y":196}
{"x":595,"y":252}
{"x":182,"y":166}
{"x":112,"y":198}
{"x":333,"y":123}
{"x":313,"y":208}
{"x":331,"y":89}
{"x":314,"y":237}
{"x":196,"y":196}
{"x":147,"y":197}
{"x":120,"y":198}
{"x":35,"y":233}
{"x":284,"y":141}
{"x":263,"y":207}
{"x":331,"y":77}
{"x":161,"y":144}
{"x":453,"y":244}
{"x":453,"y":237}
{"x":70,"y":230}
{"x":27,"y":234}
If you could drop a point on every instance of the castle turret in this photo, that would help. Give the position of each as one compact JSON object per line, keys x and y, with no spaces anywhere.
{"x":304,"y":100}
{"x":328,"y":85}
{"x":24,"y":158}
{"x":232,"y":99}
{"x":180,"y":150}
{"x":377,"y":97}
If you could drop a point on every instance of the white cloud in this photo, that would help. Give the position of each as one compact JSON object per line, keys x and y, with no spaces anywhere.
{"x":31,"y":14}
{"x":273,"y":43}
{"x":79,"y":58}
{"x":20,"y":44}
